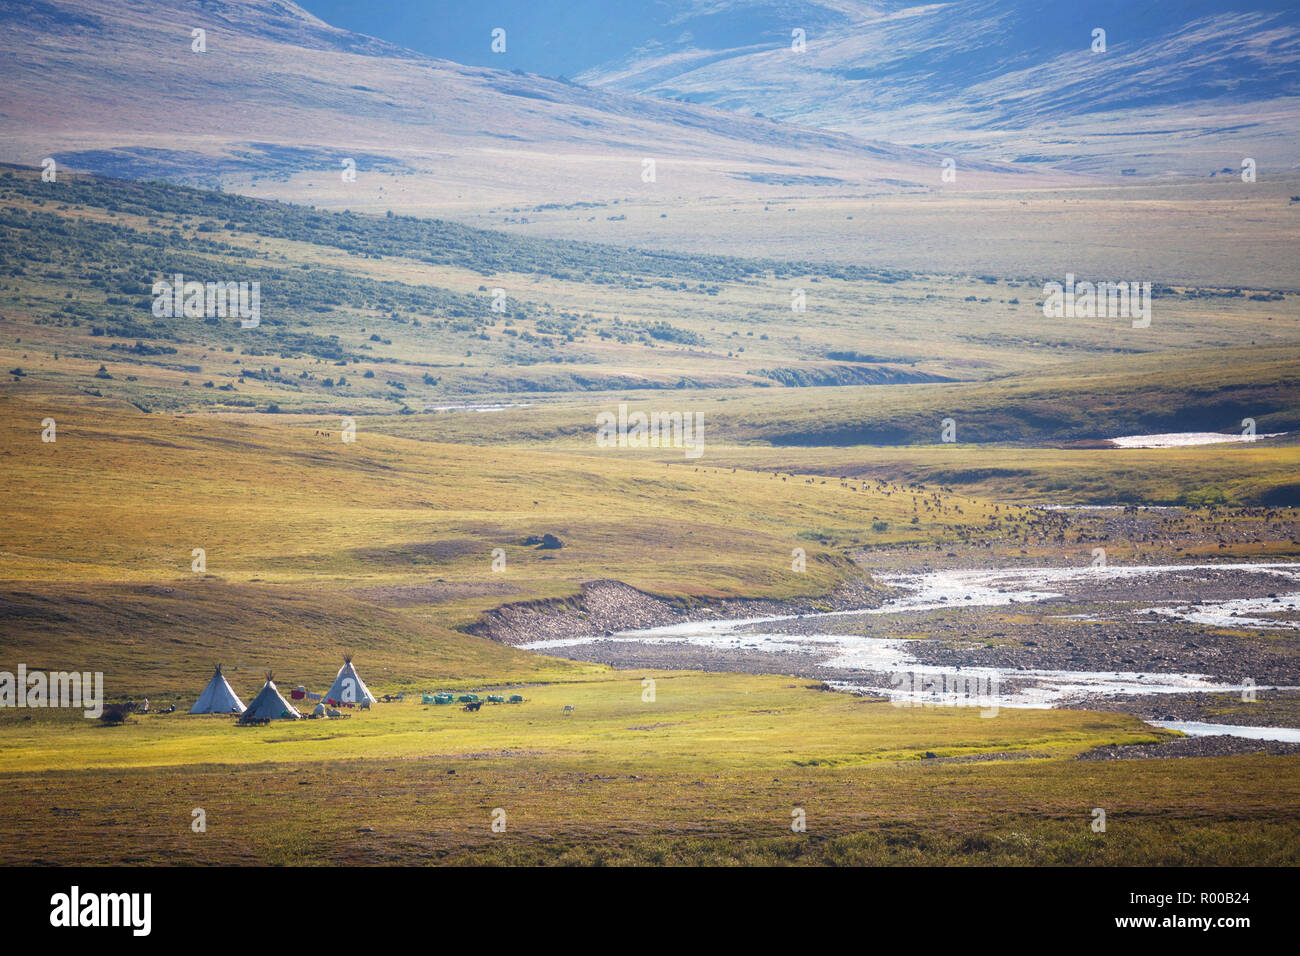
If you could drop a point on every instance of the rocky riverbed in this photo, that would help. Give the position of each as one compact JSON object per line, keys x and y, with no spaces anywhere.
{"x":1099,"y":639}
{"x":607,"y":607}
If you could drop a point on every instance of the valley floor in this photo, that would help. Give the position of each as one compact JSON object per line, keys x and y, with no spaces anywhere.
{"x":714,"y":769}
{"x":693,"y":755}
{"x":1209,"y":811}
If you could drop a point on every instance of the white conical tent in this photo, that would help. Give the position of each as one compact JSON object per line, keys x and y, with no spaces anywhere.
{"x":269,"y":705}
{"x":348,"y":687}
{"x":218,"y":697}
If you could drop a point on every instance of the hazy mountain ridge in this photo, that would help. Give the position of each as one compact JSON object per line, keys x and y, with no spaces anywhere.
{"x":283,"y":94}
{"x":1000,"y":80}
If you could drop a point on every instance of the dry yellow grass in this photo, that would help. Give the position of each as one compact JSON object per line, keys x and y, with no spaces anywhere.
{"x":122,"y":496}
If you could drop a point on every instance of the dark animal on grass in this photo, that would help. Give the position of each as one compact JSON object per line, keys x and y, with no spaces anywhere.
{"x":115,"y":714}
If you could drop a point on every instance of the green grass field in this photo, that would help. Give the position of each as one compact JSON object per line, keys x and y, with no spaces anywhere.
{"x":197,"y":437}
{"x":710,"y":773}
{"x":377,"y":316}
{"x":717,"y":722}
{"x":383,"y":547}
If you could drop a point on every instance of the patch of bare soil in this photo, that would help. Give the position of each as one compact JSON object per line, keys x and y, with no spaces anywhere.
{"x":1192,"y":747}
{"x":605,"y":607}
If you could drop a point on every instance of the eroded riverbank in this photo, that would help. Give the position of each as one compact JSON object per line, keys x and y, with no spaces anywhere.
{"x":1143,"y":639}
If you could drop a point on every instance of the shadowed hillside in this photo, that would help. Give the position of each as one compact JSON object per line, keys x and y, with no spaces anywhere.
{"x":1187,"y":87}
{"x":286,"y":98}
{"x":365,"y":314}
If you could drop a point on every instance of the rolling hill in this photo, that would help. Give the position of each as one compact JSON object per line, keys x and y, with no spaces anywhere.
{"x":384,"y":315}
{"x":278,"y":98}
{"x":1180,"y":87}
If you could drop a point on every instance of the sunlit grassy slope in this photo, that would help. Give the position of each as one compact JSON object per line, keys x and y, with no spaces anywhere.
{"x":126,"y":496}
{"x":384,"y":546}
{"x":1063,"y":405}
{"x":312,"y":545}
{"x":716,"y":721}
{"x":711,"y":771}
{"x":376,"y":315}
{"x":1259,"y":473}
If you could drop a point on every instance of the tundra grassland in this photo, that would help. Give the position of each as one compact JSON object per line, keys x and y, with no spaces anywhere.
{"x":1068,"y":406}
{"x":383,"y":546}
{"x":714,"y":770}
{"x":1199,"y":232}
{"x":198,"y":504}
{"x":374,"y":315}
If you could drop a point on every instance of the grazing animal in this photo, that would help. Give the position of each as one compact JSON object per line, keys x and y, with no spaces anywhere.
{"x":115,"y":713}
{"x":568,"y":708}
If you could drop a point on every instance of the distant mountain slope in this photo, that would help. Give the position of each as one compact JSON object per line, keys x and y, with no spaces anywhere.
{"x":1183,"y":85}
{"x":365,"y":314}
{"x":114,"y":86}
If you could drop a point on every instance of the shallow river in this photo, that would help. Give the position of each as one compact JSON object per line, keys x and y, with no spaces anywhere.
{"x":913,"y":681}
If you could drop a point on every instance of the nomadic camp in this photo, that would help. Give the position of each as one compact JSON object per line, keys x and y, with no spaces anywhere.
{"x":218,"y":697}
{"x":348,"y":687}
{"x":269,"y":705}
